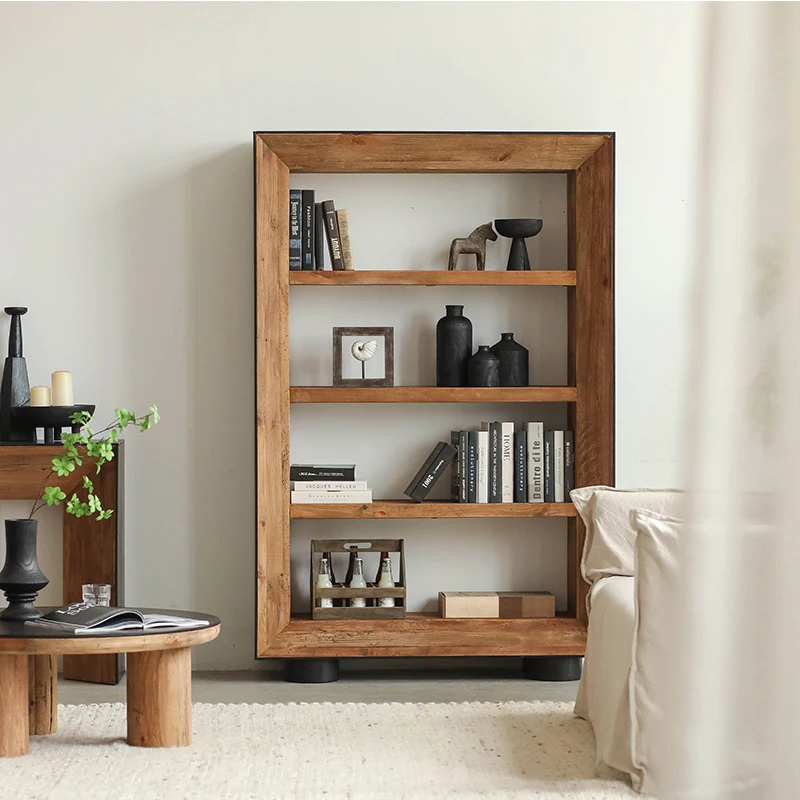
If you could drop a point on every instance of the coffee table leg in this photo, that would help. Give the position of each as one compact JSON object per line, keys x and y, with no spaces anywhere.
{"x":160,"y":698}
{"x":43,"y":694}
{"x":13,"y":704}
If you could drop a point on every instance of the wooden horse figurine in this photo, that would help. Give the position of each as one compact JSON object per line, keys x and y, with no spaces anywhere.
{"x":475,"y":244}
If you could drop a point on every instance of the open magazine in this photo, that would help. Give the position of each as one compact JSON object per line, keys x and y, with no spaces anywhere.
{"x":80,"y":618}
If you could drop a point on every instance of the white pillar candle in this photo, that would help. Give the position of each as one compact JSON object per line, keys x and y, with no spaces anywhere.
{"x":62,"y":388}
{"x":40,"y":396}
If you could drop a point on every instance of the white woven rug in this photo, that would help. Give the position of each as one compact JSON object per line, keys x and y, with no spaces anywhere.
{"x":320,"y":750}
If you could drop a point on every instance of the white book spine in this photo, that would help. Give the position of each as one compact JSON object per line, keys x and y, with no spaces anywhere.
{"x":483,"y":466}
{"x":507,"y":450}
{"x":535,"y":462}
{"x":558,"y":466}
{"x":332,"y":497}
{"x":325,"y":486}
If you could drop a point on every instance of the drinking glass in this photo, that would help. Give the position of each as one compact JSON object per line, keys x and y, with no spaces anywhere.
{"x":96,"y":594}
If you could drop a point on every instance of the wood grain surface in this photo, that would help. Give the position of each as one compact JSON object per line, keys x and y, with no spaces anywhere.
{"x":386,"y":277}
{"x":437,"y":509}
{"x":42,"y":694}
{"x":434,"y":394}
{"x":13,"y":704}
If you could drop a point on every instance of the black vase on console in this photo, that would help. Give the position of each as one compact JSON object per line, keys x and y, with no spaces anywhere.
{"x":21,"y":579}
{"x":453,"y":347}
{"x":513,"y":361}
{"x":484,"y":368}
{"x":14,"y":388}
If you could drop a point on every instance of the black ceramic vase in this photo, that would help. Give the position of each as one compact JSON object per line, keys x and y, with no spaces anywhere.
{"x":484,"y":368}
{"x":453,"y":347}
{"x":513,"y":361}
{"x":21,"y":578}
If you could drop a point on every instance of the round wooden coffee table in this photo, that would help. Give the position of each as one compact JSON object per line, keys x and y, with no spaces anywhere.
{"x":159,"y":679}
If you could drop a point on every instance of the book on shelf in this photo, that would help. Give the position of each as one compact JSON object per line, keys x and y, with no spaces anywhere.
{"x":507,"y":462}
{"x":84,"y":619}
{"x":329,"y":486}
{"x":333,"y":235}
{"x":472,"y":466}
{"x":483,"y":466}
{"x":343,"y":219}
{"x":431,"y":470}
{"x":455,"y":477}
{"x":535,"y":431}
{"x":295,"y":229}
{"x":549,"y":487}
{"x":495,"y":489}
{"x":462,"y":469}
{"x":322,"y":472}
{"x":558,"y":466}
{"x":307,"y":229}
{"x":319,"y":237}
{"x":520,"y":466}
{"x":332,"y":496}
{"x":569,"y":463}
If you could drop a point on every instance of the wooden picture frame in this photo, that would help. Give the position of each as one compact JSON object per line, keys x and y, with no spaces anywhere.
{"x":388,"y":358}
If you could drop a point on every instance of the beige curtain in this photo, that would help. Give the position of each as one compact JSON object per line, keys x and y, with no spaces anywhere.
{"x":731,"y":710}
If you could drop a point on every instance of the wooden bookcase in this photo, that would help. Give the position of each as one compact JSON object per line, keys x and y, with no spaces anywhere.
{"x":588,"y":161}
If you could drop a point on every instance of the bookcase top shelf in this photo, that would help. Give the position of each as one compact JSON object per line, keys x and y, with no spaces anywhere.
{"x":435,"y":509}
{"x":434,"y":394}
{"x":411,"y":277}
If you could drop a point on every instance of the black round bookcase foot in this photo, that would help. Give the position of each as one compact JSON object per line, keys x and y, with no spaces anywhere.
{"x":311,"y":670}
{"x":552,"y":668}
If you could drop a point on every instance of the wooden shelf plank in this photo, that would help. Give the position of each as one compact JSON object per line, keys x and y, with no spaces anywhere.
{"x":434,"y":394}
{"x":408,"y":509}
{"x":428,"y":635}
{"x":23,"y":468}
{"x":387,"y":277}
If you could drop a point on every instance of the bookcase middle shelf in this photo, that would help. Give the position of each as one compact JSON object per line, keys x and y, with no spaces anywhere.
{"x":434,"y":394}
{"x":433,"y":509}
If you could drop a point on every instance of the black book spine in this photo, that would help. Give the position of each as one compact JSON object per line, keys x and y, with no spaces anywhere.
{"x":308,"y":229}
{"x":322,"y":474}
{"x":472,"y":466}
{"x":520,"y":467}
{"x":462,"y":454}
{"x":455,"y":478}
{"x":549,"y":468}
{"x":569,"y":463}
{"x":319,"y":237}
{"x":295,"y":229}
{"x":332,"y":231}
{"x":434,"y":468}
{"x":495,"y":463}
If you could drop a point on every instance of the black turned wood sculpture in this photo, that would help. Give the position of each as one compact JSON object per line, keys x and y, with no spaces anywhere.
{"x":518,"y":230}
{"x":474,"y":244}
{"x":15,"y":389}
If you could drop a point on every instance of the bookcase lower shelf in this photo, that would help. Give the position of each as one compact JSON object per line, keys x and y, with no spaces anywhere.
{"x":428,"y":635}
{"x":436,"y":509}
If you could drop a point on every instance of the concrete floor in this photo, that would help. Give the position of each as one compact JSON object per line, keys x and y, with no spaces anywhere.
{"x":357,"y":686}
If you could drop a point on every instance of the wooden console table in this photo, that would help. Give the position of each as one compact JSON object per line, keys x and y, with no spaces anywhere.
{"x":92,"y":551}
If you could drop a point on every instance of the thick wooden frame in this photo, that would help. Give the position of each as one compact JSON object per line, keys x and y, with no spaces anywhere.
{"x":386,"y":381}
{"x":588,"y":161}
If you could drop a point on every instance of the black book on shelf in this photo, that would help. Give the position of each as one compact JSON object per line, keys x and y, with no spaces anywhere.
{"x":308,"y":229}
{"x":322,"y":472}
{"x":295,"y":229}
{"x":569,"y":463}
{"x":549,"y":468}
{"x":495,"y":463}
{"x":520,"y":467}
{"x":455,"y":478}
{"x":332,"y":232}
{"x":472,"y":466}
{"x":429,"y":473}
{"x":319,"y":237}
{"x":462,"y":469}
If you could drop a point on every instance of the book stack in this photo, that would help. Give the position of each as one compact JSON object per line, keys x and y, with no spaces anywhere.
{"x":311,"y":224}
{"x":498,"y":464}
{"x":327,"y":483}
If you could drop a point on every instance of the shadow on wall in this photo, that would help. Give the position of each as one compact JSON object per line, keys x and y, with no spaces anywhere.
{"x":191,"y":520}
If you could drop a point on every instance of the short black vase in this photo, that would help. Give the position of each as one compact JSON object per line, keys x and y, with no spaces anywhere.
{"x":21,"y":579}
{"x":484,"y":368}
{"x":453,"y":347}
{"x":513,"y":361}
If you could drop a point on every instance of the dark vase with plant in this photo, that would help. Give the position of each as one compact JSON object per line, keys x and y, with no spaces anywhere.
{"x":453,"y":347}
{"x":21,"y":579}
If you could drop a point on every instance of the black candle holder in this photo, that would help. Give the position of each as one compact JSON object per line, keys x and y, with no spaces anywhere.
{"x":52,"y":418}
{"x":518,"y":230}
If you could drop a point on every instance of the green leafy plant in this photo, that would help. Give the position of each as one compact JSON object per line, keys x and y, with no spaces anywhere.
{"x":87,"y":443}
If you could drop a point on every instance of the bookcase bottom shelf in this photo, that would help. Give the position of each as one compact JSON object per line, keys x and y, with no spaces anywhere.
{"x":428,"y":635}
{"x":436,"y":509}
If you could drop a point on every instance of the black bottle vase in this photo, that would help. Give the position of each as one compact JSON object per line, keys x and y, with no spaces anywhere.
{"x":513,"y":361}
{"x":484,"y":368}
{"x":453,"y":347}
{"x":21,"y":579}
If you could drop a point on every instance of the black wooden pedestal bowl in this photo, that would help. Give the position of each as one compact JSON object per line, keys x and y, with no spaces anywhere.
{"x":518,"y":230}
{"x":51,"y":418}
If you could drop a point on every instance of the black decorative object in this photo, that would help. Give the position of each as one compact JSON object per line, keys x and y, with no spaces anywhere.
{"x":513,"y":361}
{"x":453,"y":347}
{"x":518,"y":230}
{"x":15,"y":389}
{"x":21,"y":578}
{"x":51,"y":418}
{"x":474,"y":244}
{"x":484,"y":368}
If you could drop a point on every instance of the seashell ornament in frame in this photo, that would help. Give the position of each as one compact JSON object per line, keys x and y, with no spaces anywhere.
{"x":364,"y":349}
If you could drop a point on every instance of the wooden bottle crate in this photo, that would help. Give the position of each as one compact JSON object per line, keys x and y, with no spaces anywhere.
{"x":398,"y":611}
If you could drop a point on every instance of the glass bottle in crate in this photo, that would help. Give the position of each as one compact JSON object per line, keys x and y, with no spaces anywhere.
{"x":332,"y":576}
{"x":324,"y":582}
{"x":350,"y":567}
{"x":386,"y":581}
{"x":384,"y":554}
{"x":358,"y":582}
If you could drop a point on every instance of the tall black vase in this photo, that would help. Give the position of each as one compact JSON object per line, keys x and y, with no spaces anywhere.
{"x":21,"y":579}
{"x":484,"y":368}
{"x":453,"y":347}
{"x":513,"y":361}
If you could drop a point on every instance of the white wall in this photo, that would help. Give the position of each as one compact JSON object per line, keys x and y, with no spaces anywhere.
{"x":126,"y":226}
